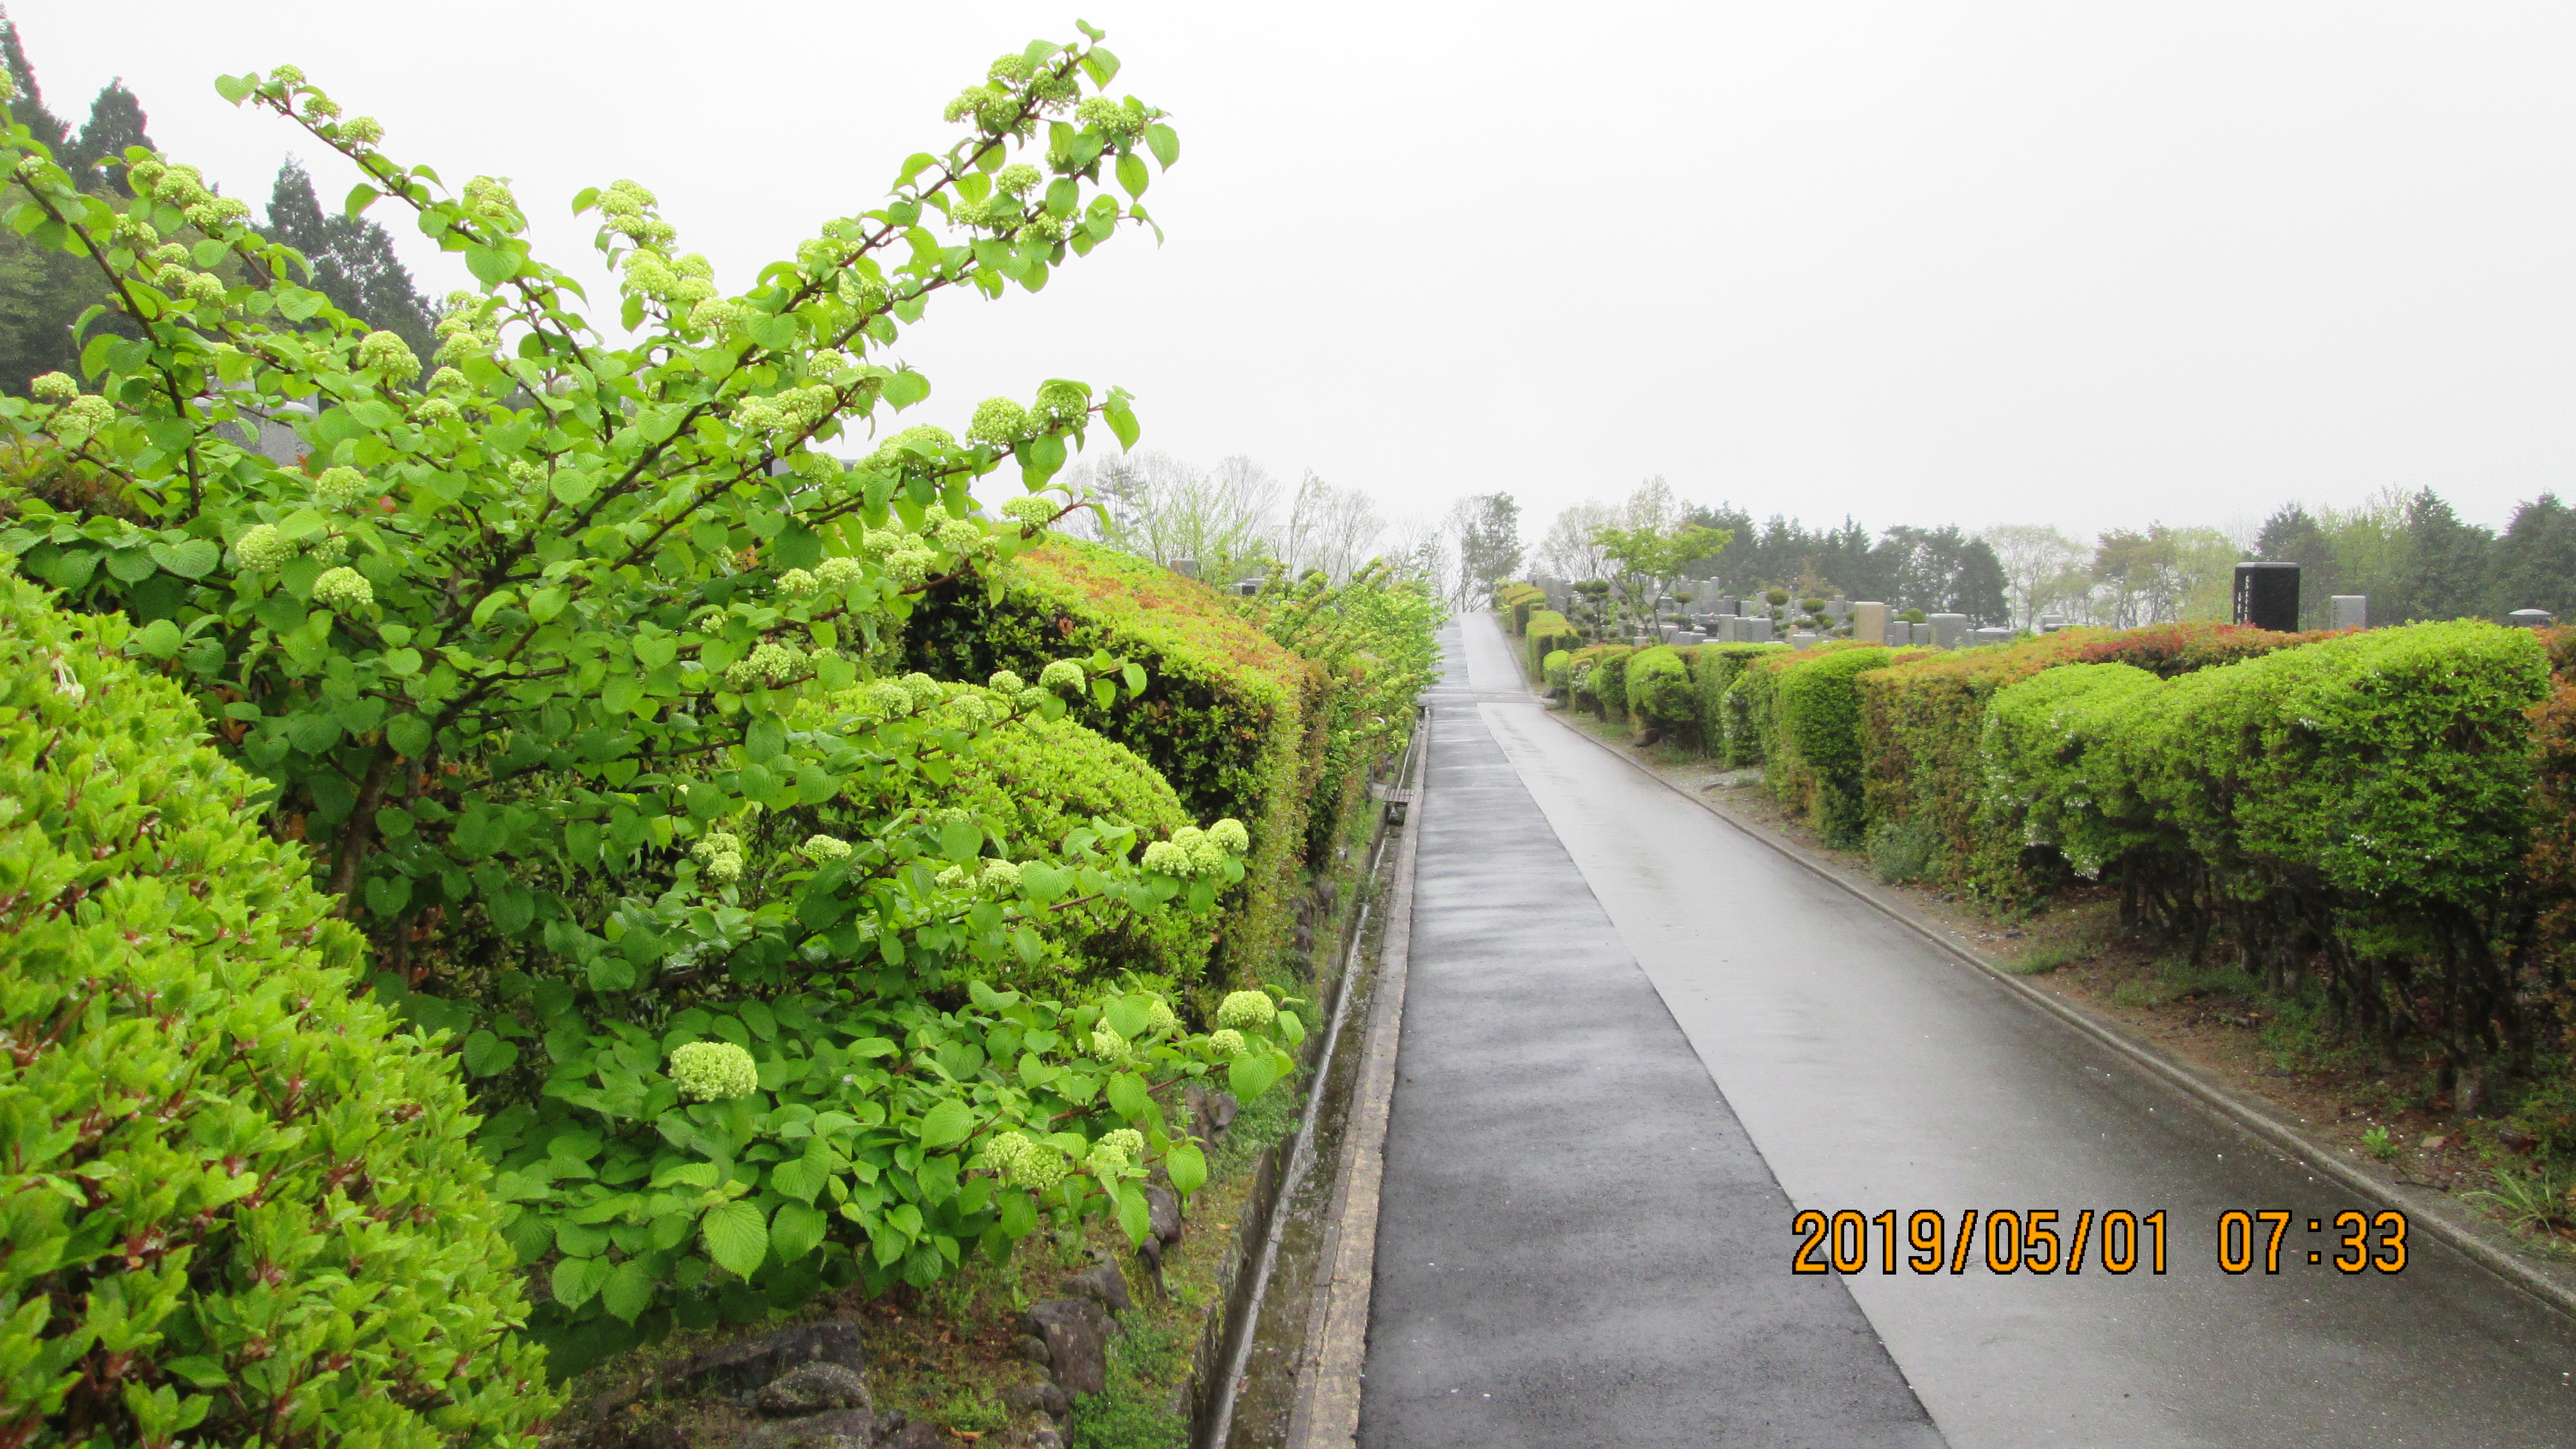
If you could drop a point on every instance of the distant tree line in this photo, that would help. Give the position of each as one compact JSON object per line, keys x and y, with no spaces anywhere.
{"x":2415,"y":558}
{"x":43,"y":293}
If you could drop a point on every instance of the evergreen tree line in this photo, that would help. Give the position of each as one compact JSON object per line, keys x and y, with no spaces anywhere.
{"x":43,"y":293}
{"x":1937,"y":570}
{"x":2415,"y":559}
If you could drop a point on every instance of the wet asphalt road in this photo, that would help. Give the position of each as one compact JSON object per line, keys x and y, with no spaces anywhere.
{"x":1873,"y":1072}
{"x":1577,"y":1244}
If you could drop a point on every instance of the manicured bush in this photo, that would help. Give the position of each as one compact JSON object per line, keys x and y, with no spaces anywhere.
{"x":1585,"y":675}
{"x":1557,"y":670}
{"x":1235,"y":721}
{"x":1658,"y":687}
{"x":241,"y":1206}
{"x":1714,"y":668}
{"x":1610,"y":680}
{"x":2048,"y":783}
{"x":1029,"y":784}
{"x":1515,"y":601}
{"x":1374,"y":636}
{"x":1923,"y":725}
{"x":2364,"y":799}
{"x":1549,"y":632}
{"x":1817,"y":707}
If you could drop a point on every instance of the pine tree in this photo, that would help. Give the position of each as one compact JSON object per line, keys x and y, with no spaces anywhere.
{"x":353,"y":261}
{"x":41,"y":292}
{"x":2293,"y":535}
{"x":2535,"y":561}
{"x":116,"y":121}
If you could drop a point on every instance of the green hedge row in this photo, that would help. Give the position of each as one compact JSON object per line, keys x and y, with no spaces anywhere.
{"x":1550,"y":631}
{"x":2364,"y":800}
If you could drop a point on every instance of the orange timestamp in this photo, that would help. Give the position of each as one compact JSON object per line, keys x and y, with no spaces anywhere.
{"x":2050,"y":1240}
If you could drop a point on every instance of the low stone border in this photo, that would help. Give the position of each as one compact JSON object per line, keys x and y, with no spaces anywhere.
{"x":1327,"y":1407}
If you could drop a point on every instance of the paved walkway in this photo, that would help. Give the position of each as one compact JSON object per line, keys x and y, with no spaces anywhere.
{"x":1578,"y":1244}
{"x":1627,"y":1019}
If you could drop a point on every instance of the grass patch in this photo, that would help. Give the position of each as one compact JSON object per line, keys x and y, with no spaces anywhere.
{"x":2040,"y":960}
{"x":2172,"y":980}
{"x":1134,"y":1411}
{"x":1904,"y":851}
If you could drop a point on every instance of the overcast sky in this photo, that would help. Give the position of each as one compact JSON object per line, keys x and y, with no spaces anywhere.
{"x":2091,"y":264}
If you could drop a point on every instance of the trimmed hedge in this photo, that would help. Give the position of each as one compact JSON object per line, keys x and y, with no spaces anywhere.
{"x":2049,"y":781}
{"x":1036,"y":781}
{"x":1549,"y":631}
{"x":240,"y":1203}
{"x":1658,"y":687}
{"x":1817,"y":721}
{"x":1235,"y":721}
{"x":1585,"y":674}
{"x":1557,"y":671}
{"x":2366,"y":797}
{"x":1714,"y":668}
{"x":1610,"y":680}
{"x":1923,"y":725}
{"x":1515,"y":601}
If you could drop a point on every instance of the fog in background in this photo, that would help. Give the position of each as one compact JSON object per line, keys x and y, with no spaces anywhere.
{"x":2089,"y":266}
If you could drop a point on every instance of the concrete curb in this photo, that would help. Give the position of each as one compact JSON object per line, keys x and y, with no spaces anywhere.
{"x":2425,"y":1208}
{"x":1326,"y":1414}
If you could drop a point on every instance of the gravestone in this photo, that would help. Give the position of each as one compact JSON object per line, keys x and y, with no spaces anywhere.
{"x":1992,"y":636}
{"x":1757,"y":631}
{"x":2348,"y":611}
{"x":1249,"y":585}
{"x":1691,"y":637}
{"x":1725,"y":606}
{"x":2267,"y":595}
{"x":1869,"y":622}
{"x":1187,"y":568}
{"x":2050,"y":623}
{"x":2531,"y":618}
{"x":1949,"y":631}
{"x":1801,"y":639}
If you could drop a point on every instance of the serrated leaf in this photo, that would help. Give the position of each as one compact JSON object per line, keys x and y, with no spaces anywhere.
{"x":1164,"y":142}
{"x":945,"y":1123}
{"x":236,"y":88}
{"x":490,"y":265}
{"x":159,"y":639}
{"x":1134,"y":1218}
{"x":486,"y":1054}
{"x":960,"y":841}
{"x":577,"y":1280}
{"x":191,"y":560}
{"x":1128,"y":1097}
{"x":629,"y":1290}
{"x":1132,"y":174}
{"x":1186,"y":1166}
{"x":361,"y":196}
{"x":1251,"y":1075}
{"x":736,"y":1237}
{"x":796,"y":1230}
{"x":1019,"y":1214}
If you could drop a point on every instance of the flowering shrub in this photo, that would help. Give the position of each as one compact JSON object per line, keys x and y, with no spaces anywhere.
{"x":240,"y":1202}
{"x":539,"y":611}
{"x":1374,"y":637}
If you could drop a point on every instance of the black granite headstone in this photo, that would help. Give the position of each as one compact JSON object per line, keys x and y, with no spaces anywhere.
{"x":2267,"y":595}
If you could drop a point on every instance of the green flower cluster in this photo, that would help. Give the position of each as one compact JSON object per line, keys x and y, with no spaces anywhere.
{"x":1246,"y":1008}
{"x":714,"y":1071}
{"x":343,"y":590}
{"x":1037,"y":1166}
{"x":721,"y":852}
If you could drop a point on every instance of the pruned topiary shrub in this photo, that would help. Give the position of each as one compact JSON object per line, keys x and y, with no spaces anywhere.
{"x":1550,"y":631}
{"x":241,"y":1205}
{"x":1818,"y":767}
{"x":1658,"y":687}
{"x":1558,"y":669}
{"x":1714,"y":668}
{"x":1234,"y":720}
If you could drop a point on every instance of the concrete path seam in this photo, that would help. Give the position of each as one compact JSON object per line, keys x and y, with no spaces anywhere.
{"x":2446,"y":1221}
{"x":1327,"y":1410}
